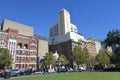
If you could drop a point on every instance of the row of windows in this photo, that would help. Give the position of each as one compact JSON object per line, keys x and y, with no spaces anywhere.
{"x":23,"y":39}
{"x":73,"y":30}
{"x":12,"y":43}
{"x":19,"y":52}
{"x":33,"y":46}
{"x":2,"y":43}
{"x":12,"y":46}
{"x":25,"y":58}
{"x":13,"y":36}
{"x":12,"y":51}
{"x":25,"y":65}
{"x":20,"y":46}
{"x":25,"y":46}
{"x":54,"y":34}
{"x":3,"y":35}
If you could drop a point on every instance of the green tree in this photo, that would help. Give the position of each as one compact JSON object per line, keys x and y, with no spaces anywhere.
{"x":111,"y":55}
{"x":102,"y":57}
{"x":86,"y":54}
{"x":49,"y":59}
{"x":78,"y":56}
{"x":113,"y":39}
{"x":90,"y":61}
{"x":63,"y":59}
{"x":5,"y":58}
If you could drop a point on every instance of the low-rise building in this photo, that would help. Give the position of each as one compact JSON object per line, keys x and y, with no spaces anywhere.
{"x":42,"y":49}
{"x":21,"y":43}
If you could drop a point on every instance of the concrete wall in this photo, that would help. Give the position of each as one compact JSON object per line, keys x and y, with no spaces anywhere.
{"x":42,"y":47}
{"x":66,"y":37}
{"x":22,"y":29}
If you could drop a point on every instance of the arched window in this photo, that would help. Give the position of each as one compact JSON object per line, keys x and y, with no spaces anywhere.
{"x":25,"y":46}
{"x":19,"y":45}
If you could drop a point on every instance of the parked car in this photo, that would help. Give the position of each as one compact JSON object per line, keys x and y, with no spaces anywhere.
{"x":82,"y":69}
{"x":16,"y":72}
{"x":62,"y":70}
{"x":2,"y":72}
{"x":71,"y":70}
{"x":28,"y":71}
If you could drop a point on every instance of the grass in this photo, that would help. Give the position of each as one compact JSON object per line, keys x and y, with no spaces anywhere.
{"x":75,"y":76}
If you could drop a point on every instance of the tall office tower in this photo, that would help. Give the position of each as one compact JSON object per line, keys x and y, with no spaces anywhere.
{"x":64,"y":22}
{"x":64,"y":35}
{"x":64,"y":29}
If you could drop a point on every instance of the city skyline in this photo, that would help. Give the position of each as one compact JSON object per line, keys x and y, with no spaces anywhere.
{"x":93,"y":18}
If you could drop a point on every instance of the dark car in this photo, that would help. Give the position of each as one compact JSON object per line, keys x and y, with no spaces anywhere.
{"x":28,"y":71}
{"x":62,"y":70}
{"x":16,"y":72}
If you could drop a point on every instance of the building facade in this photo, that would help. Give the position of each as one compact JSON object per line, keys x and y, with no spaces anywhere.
{"x":64,"y":30}
{"x":22,"y":46}
{"x":42,"y":49}
{"x":64,"y":36}
{"x":98,"y":46}
{"x":91,"y":47}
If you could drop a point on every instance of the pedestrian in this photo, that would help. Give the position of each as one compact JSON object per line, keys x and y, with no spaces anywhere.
{"x":33,"y":70}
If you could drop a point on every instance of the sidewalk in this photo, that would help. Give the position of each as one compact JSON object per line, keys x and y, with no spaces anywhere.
{"x":1,"y":78}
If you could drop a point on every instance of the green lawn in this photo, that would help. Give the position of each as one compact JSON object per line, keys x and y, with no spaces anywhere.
{"x":75,"y":76}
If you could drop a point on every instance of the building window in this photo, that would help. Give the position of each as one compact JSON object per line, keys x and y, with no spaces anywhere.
{"x":19,"y":45}
{"x":33,"y":46}
{"x":17,"y":65}
{"x":23,"y":58}
{"x":26,"y":52}
{"x":14,"y":43}
{"x":17,"y":58}
{"x":19,"y":52}
{"x":22,"y":65}
{"x":2,"y":43}
{"x":25,"y":46}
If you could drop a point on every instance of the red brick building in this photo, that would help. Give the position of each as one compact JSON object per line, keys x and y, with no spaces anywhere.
{"x":23,"y":48}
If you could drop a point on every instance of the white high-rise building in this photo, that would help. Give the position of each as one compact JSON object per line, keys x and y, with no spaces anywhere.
{"x":64,"y":22}
{"x":64,"y":30}
{"x":98,"y":46}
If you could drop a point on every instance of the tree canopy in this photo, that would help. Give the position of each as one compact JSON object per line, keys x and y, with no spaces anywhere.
{"x":102,"y":57}
{"x":5,"y":58}
{"x":78,"y":56}
{"x":63,"y":59}
{"x":113,"y":39}
{"x":49,"y":59}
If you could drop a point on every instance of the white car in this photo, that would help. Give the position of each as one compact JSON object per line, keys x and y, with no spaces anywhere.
{"x":82,"y":68}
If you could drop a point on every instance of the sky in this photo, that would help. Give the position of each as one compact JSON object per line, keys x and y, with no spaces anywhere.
{"x":93,"y":18}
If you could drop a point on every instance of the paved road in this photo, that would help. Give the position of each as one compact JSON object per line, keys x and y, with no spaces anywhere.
{"x":1,"y":78}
